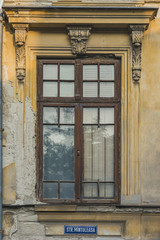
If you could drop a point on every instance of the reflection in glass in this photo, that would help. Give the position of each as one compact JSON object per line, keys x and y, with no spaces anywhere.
{"x":66,"y":115}
{"x":67,"y":190}
{"x":90,"y":115}
{"x":90,"y":190}
{"x":58,"y":152}
{"x":106,"y":72}
{"x":90,"y":89}
{"x":106,"y":190}
{"x":50,"y":89}
{"x":67,"y":72}
{"x":50,"y":72}
{"x":50,"y":115}
{"x":98,"y":153}
{"x":50,"y":190}
{"x":106,"y":89}
{"x":66,"y":89}
{"x":90,"y":72}
{"x":107,"y":115}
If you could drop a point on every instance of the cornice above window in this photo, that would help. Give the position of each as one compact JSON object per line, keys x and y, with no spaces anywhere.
{"x":98,"y":16}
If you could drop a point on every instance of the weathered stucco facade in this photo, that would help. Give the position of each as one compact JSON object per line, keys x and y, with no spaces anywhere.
{"x":40,"y":28}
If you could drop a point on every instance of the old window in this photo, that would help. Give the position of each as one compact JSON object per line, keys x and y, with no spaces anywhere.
{"x":79,"y":130}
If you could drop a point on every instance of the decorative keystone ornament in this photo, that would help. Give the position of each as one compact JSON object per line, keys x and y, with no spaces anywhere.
{"x":20,"y":40}
{"x":78,"y":37}
{"x":136,"y":38}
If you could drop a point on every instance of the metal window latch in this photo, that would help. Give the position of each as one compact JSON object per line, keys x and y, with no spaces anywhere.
{"x":78,"y":153}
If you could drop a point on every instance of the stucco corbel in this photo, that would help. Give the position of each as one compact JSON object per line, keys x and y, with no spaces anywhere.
{"x":20,"y":34}
{"x":78,"y":37}
{"x":137,"y":32}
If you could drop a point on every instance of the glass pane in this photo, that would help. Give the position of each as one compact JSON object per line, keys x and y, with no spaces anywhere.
{"x":66,"y":115}
{"x":50,"y":190}
{"x":50,"y":89}
{"x":98,"y":153}
{"x":67,"y":190}
{"x":50,"y":72}
{"x":50,"y":115}
{"x":90,"y":115}
{"x":90,"y":190}
{"x":90,"y":89}
{"x":106,"y":190}
{"x":106,"y":89}
{"x":90,"y":72}
{"x":67,"y":72}
{"x":58,"y":152}
{"x":66,"y":89}
{"x":106,"y":72}
{"x":107,"y":115}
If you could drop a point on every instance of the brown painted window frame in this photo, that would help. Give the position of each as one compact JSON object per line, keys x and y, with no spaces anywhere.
{"x":78,"y":102}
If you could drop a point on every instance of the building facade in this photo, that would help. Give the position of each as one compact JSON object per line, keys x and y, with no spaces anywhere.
{"x":81,"y":110}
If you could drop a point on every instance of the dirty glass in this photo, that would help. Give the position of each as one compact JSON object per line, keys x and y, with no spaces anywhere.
{"x":67,"y":72}
{"x":50,"y":89}
{"x":106,"y":72}
{"x":50,"y":190}
{"x":106,"y":89}
{"x":90,"y":115}
{"x":67,"y":190}
{"x":58,"y":152}
{"x":90,"y":190}
{"x":66,"y":89}
{"x":90,"y":72}
{"x":90,"y":89}
{"x":50,"y":72}
{"x":67,"y":115}
{"x":107,"y":115}
{"x":106,"y":190}
{"x":98,"y":159}
{"x":50,"y":115}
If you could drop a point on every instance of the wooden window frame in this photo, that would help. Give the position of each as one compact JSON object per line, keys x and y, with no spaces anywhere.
{"x":78,"y":102}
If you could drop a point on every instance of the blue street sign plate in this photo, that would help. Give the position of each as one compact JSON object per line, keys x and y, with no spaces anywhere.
{"x":68,"y":229}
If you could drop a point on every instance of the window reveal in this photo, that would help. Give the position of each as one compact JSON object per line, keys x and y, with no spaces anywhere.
{"x":79,"y":131}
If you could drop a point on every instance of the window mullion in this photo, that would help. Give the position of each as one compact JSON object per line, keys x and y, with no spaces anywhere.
{"x":78,"y":151}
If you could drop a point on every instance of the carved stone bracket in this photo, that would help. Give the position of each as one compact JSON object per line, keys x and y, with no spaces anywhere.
{"x":136,"y":38}
{"x":78,"y":37}
{"x":20,"y":40}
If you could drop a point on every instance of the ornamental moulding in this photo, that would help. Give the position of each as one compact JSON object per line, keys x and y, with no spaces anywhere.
{"x":136,"y":38}
{"x":78,"y":37}
{"x":20,"y":33}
